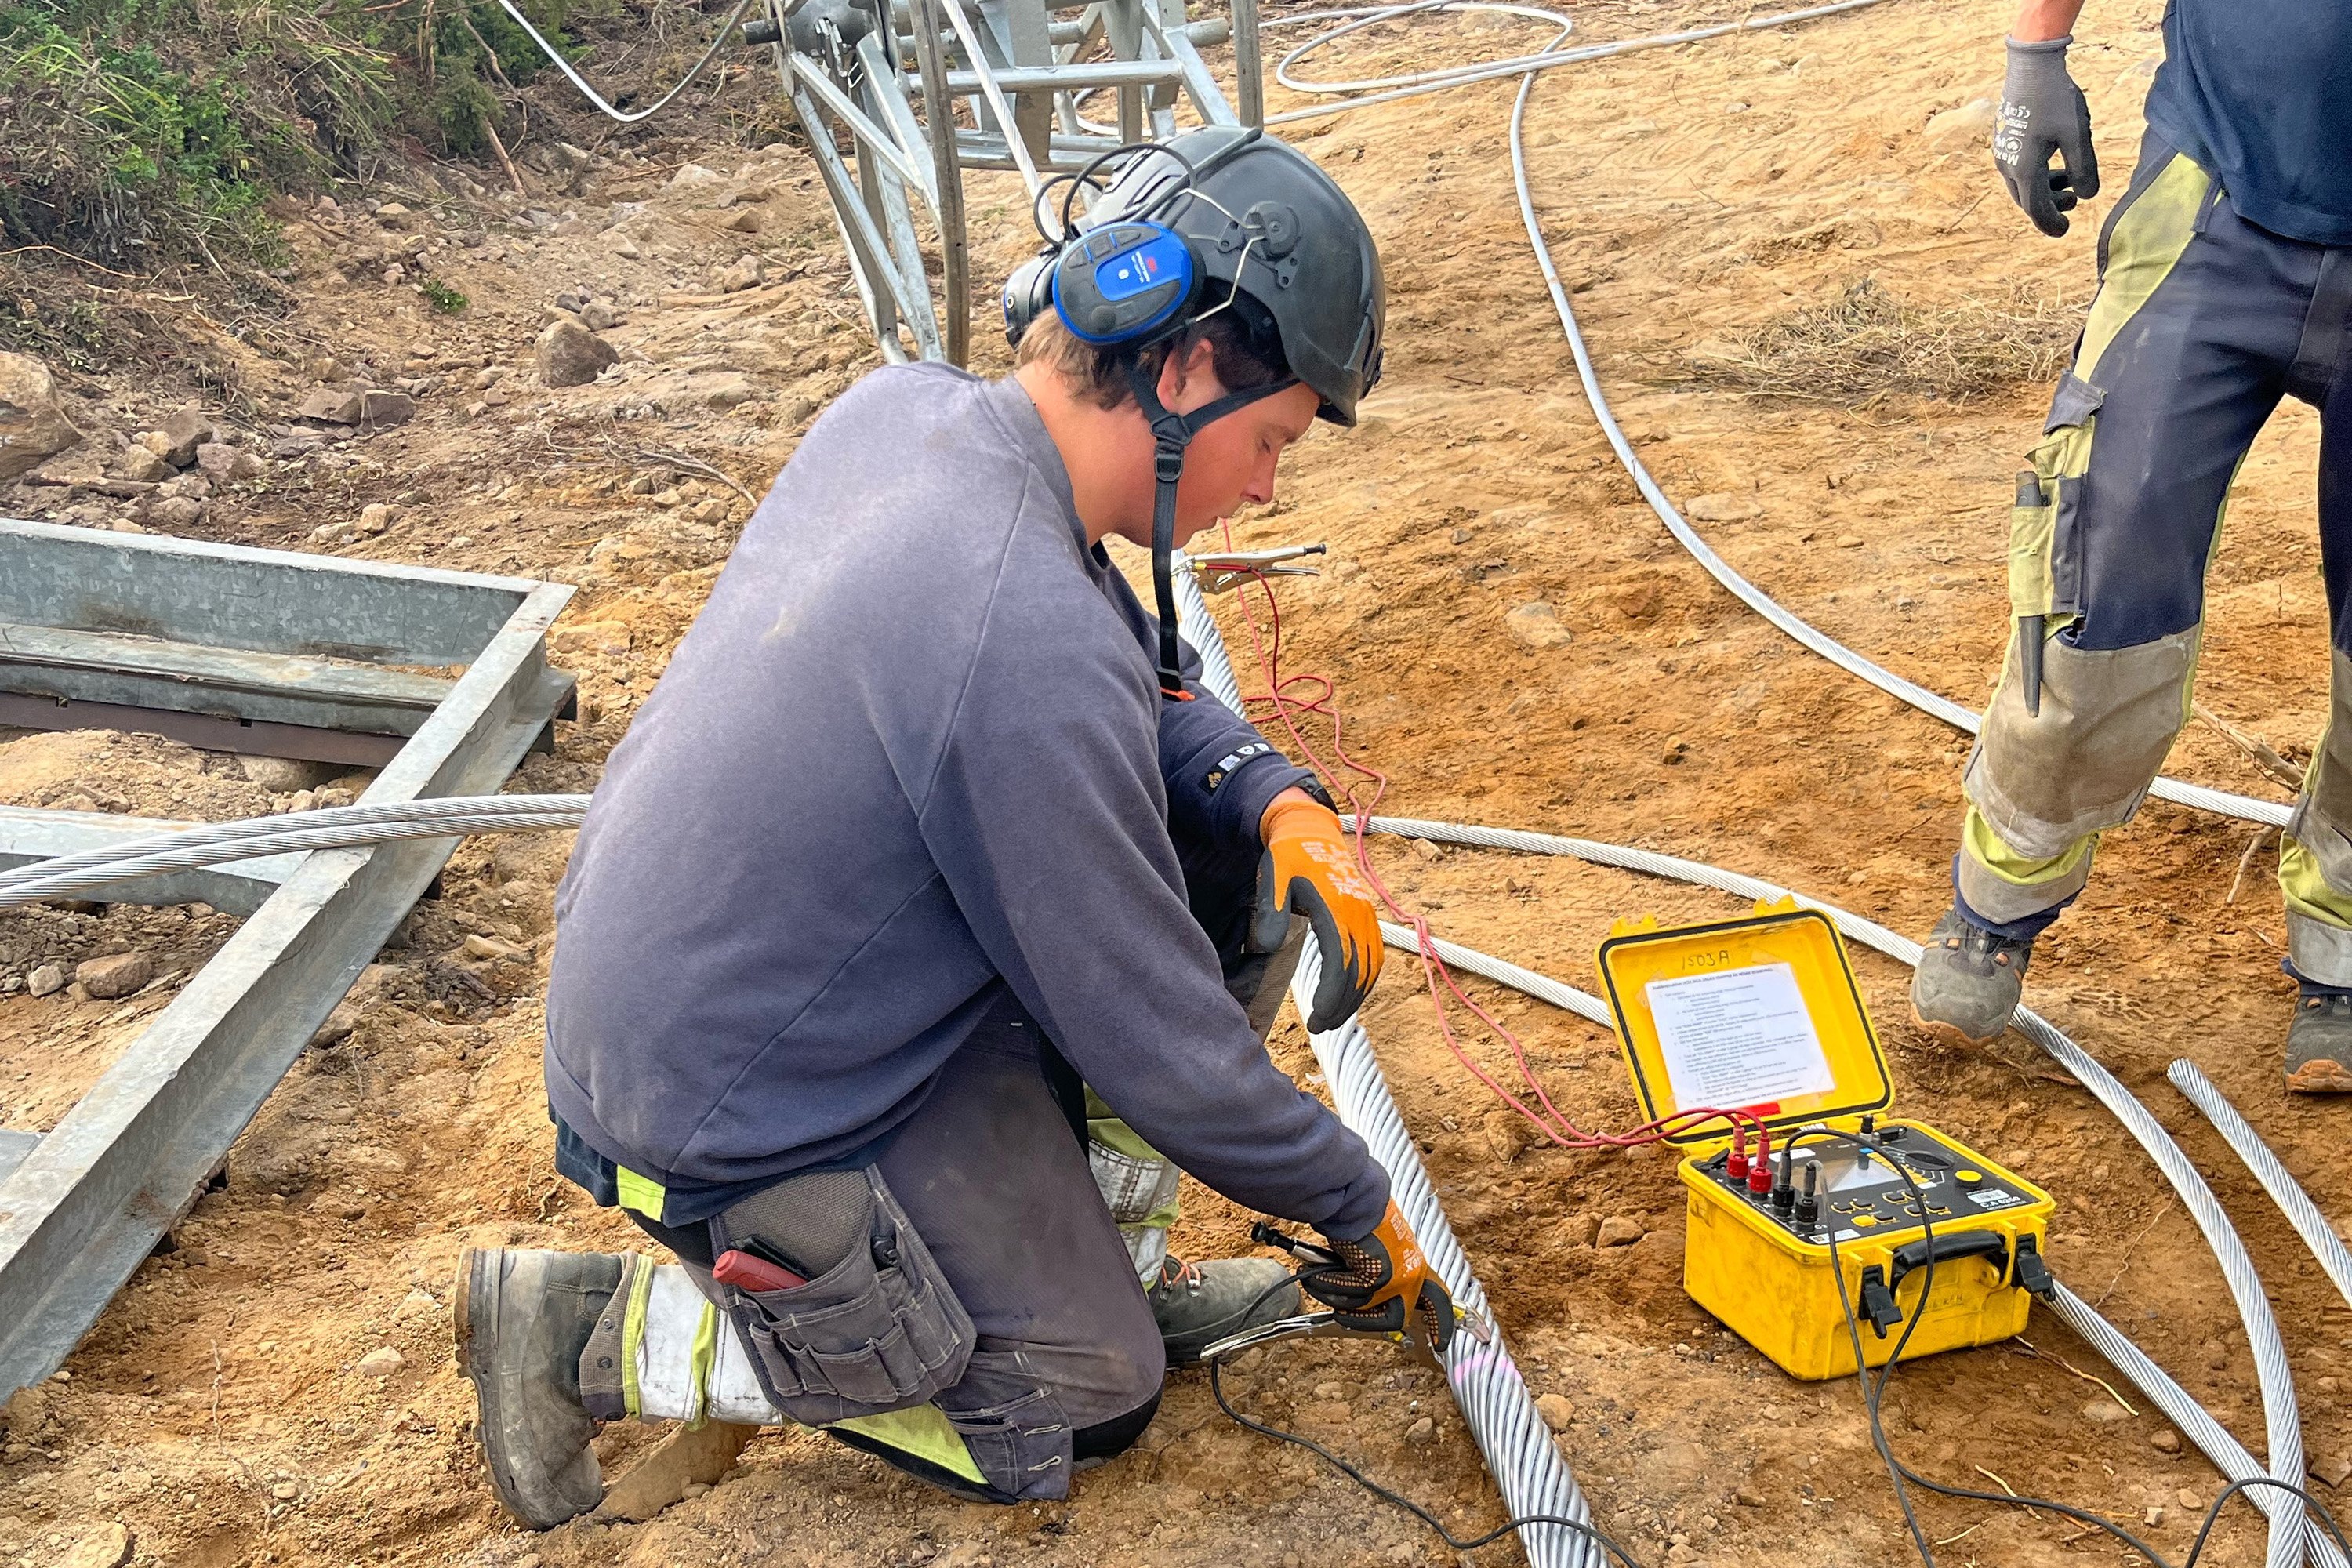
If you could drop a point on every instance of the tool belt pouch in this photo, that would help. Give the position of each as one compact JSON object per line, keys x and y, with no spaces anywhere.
{"x":880,"y":1330}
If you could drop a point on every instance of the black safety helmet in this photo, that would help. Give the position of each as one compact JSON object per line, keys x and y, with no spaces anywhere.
{"x":1261,"y":217}
{"x":1220,"y":218}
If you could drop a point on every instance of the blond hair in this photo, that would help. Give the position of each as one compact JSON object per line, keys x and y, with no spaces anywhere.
{"x":1244,"y":355}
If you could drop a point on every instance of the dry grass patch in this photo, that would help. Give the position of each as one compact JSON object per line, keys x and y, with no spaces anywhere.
{"x":1870,"y":345}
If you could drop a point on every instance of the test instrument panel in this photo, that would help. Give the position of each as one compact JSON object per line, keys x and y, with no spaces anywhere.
{"x":1761,"y":1014}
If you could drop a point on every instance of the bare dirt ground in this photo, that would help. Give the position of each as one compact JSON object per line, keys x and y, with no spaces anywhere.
{"x":222,"y":1410}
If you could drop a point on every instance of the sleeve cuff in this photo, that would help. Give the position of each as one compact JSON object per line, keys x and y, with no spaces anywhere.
{"x":1254,"y":784}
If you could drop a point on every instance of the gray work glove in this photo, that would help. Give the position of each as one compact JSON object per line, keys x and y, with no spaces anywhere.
{"x":2042,"y":113}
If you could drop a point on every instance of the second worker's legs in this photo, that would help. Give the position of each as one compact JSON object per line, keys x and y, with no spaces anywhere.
{"x":2316,"y":857}
{"x":2186,"y":350}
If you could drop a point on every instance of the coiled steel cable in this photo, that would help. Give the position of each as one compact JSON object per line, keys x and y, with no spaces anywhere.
{"x":2335,"y":1259}
{"x":2229,"y":1456}
{"x":626,"y":117}
{"x":2291,"y":1530}
{"x":2221,"y":802}
{"x":1487,"y":1387}
{"x":334,"y":827}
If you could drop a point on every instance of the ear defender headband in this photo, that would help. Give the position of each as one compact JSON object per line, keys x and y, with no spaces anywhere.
{"x":1126,"y":285}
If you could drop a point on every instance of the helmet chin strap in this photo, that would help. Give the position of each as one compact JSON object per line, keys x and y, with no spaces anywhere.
{"x":1171,"y":435}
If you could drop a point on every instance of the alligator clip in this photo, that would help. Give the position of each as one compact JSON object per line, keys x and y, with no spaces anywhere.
{"x":1225,"y":569}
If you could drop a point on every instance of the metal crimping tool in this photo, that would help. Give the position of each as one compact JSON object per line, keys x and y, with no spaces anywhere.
{"x":1408,"y":1329}
{"x":1223,"y":569}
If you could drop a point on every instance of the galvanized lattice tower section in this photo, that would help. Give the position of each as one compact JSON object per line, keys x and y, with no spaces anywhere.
{"x":898,"y":98}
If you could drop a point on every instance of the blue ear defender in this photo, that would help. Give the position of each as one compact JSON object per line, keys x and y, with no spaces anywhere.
{"x":1123,"y":283}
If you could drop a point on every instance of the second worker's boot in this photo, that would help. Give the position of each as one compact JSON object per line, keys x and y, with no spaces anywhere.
{"x":2319,"y":1046}
{"x":522,"y":1318}
{"x":1967,"y":982}
{"x":1197,"y":1304}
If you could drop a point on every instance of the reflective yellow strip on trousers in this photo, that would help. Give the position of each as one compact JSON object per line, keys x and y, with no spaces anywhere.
{"x":922,"y":1430}
{"x":2147,"y":241}
{"x":633,"y":1331}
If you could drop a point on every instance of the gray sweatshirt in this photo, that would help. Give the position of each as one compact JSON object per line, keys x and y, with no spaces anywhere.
{"x":910,"y":766}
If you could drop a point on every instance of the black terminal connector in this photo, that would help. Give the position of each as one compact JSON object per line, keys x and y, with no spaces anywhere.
{"x":1878,"y":1301}
{"x":1784,"y":1190}
{"x":1809,"y":1202}
{"x":764,"y":31}
{"x":2032,"y":1274}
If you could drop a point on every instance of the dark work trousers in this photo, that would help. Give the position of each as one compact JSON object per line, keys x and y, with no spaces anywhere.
{"x":995,"y":1174}
{"x":2202,"y":324}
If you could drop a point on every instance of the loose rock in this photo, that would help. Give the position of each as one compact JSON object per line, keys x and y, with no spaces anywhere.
{"x":1748,"y":1498}
{"x":284,"y":775}
{"x":375,"y":517}
{"x":1537,"y":624}
{"x":2103,"y":1410}
{"x":109,"y":1546}
{"x":1620,"y":1230}
{"x":224,"y":464}
{"x":331,"y":405}
{"x":1966,"y":126}
{"x":381,"y":407}
{"x":337,"y":1029}
{"x":173,"y":513}
{"x":184,"y":432}
{"x":2190,"y":1501}
{"x":749,"y":272}
{"x":1722,"y":507}
{"x":382,"y":1362}
{"x":47,"y":980}
{"x":2167,"y":1441}
{"x":33,"y":423}
{"x":1422,"y":1431}
{"x":1556,"y":1410}
{"x":694,"y":177}
{"x":598,"y":317}
{"x":141,"y":465}
{"x":569,"y":355}
{"x":2333,"y":1468}
{"x":106,"y":979}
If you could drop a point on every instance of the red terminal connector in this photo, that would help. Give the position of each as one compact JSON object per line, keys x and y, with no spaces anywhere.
{"x":1759,"y":1175}
{"x":1735,"y":1164}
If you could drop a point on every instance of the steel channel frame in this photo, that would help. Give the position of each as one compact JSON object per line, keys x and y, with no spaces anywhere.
{"x":89,"y":1200}
{"x":1019,"y":57}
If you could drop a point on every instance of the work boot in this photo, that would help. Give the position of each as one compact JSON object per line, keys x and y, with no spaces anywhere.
{"x":1967,"y":982}
{"x":522,"y":1318}
{"x":2319,"y":1046}
{"x":1197,"y":1304}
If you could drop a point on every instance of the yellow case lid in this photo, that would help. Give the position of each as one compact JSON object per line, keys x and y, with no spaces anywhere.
{"x":1759,"y":1014}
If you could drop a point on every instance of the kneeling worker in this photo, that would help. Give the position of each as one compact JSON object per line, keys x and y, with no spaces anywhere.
{"x":922,"y":862}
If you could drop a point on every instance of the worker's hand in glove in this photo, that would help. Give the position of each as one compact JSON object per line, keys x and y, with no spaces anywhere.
{"x":1382,"y":1282}
{"x":2043,"y":114}
{"x":1310,"y":870}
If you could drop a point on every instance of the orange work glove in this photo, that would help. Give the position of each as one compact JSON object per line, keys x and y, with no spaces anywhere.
{"x":1383,"y":1280}
{"x":1310,"y":870}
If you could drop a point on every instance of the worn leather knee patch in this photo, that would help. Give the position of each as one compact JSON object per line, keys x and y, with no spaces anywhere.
{"x":2083,"y":765}
{"x":2321,"y":952}
{"x":1998,"y":898}
{"x":2321,"y":822}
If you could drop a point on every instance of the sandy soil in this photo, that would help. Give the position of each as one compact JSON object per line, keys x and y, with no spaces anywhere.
{"x":219,"y":1410}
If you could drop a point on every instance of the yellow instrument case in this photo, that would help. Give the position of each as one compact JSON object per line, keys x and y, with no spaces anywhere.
{"x":1764,"y":1009}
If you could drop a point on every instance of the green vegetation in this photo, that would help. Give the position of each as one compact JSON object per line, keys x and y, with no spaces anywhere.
{"x":441,"y":297}
{"x":140,"y":133}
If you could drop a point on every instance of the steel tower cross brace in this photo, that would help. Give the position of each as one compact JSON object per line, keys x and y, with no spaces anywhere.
{"x":163,"y":635}
{"x":898,"y":98}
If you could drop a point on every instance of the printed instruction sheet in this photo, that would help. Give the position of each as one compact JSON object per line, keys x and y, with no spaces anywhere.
{"x":1737,"y":1037}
